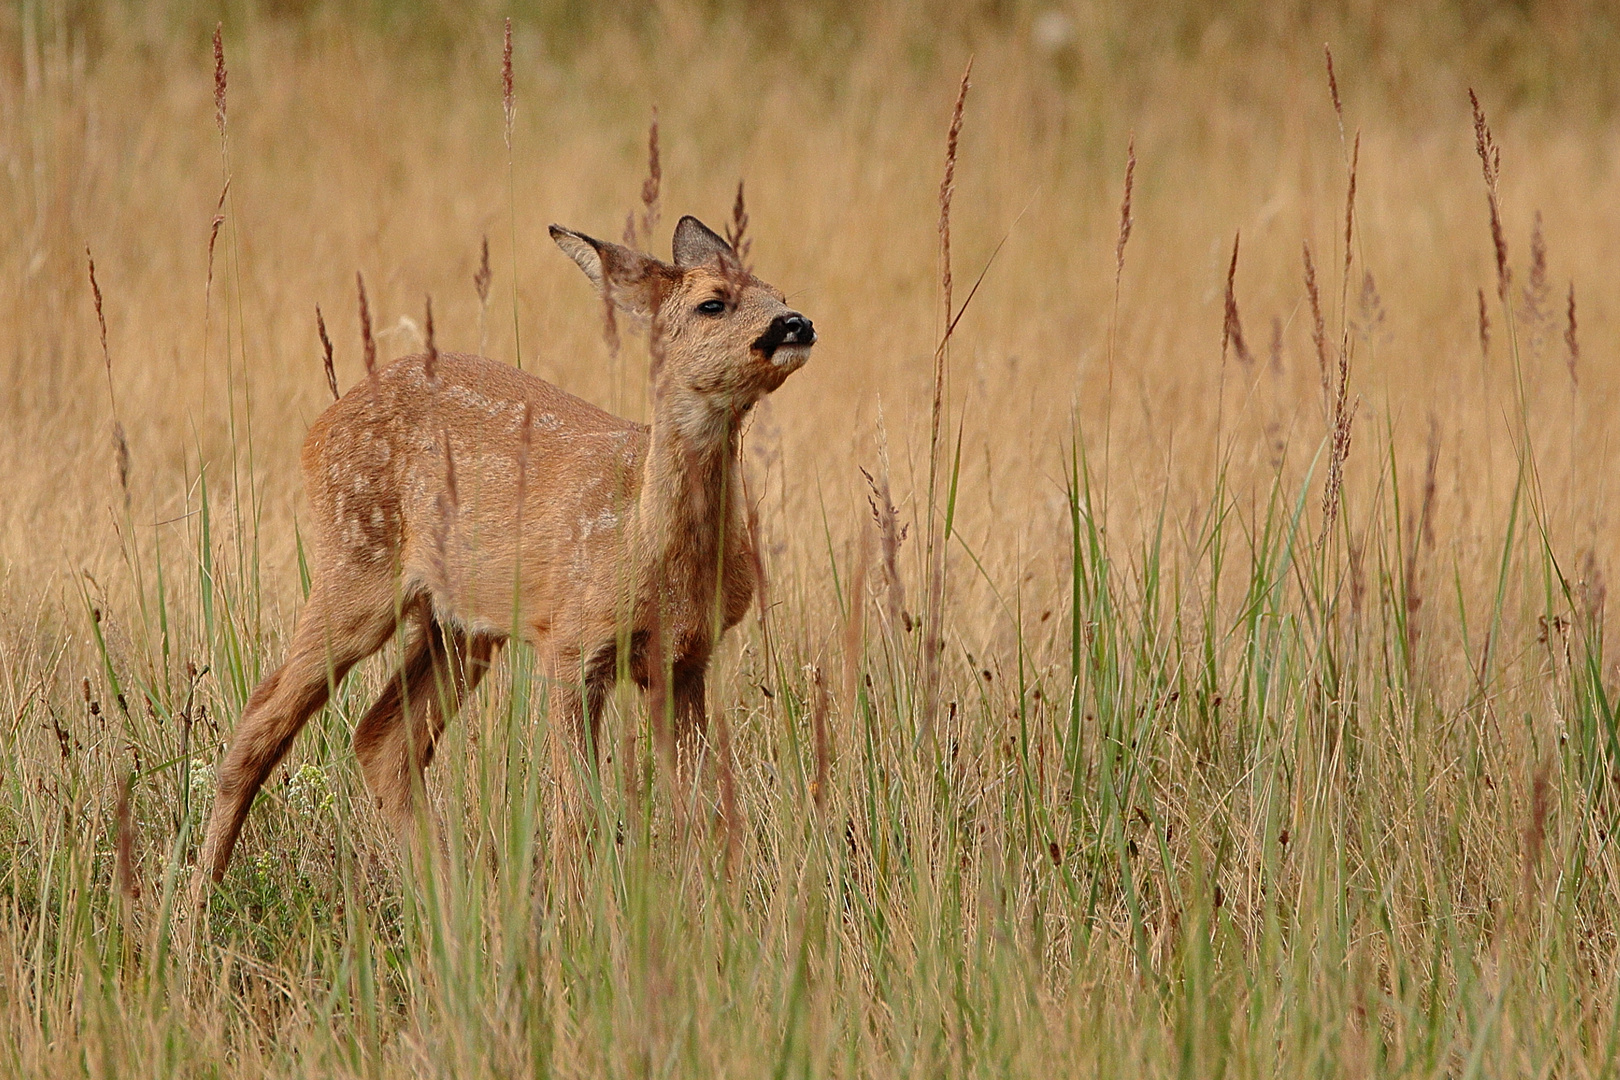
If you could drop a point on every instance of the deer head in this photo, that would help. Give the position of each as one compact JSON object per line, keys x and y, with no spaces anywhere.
{"x":722,"y":338}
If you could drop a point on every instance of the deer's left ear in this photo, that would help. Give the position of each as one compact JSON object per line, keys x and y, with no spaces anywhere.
{"x":696,"y":243}
{"x":635,"y":282}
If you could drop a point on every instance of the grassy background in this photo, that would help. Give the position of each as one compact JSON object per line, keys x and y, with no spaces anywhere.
{"x":1216,"y":789}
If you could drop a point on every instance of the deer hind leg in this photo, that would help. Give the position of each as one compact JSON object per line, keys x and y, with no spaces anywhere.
{"x":396,"y":739}
{"x":579,"y":689}
{"x":339,"y":627}
{"x":691,"y":712}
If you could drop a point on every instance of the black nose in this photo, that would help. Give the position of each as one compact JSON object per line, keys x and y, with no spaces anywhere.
{"x":797,"y":330}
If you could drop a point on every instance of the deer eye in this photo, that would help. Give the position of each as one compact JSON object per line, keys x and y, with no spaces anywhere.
{"x":712,"y":307}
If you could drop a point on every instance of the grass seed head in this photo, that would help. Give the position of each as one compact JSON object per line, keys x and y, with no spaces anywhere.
{"x":101,"y":318}
{"x":1125,"y":220}
{"x":326,"y":348}
{"x":651,"y":186}
{"x":219,"y":77}
{"x":1490,"y":163}
{"x":1350,"y":207}
{"x":947,"y":187}
{"x":1333,"y":89}
{"x":367,"y":341}
{"x":121,"y":455}
{"x":1232,"y":331}
{"x":737,"y":230}
{"x":1572,"y":345}
{"x":485,"y":275}
{"x":508,"y":96}
{"x":432,"y":363}
{"x":1318,"y":323}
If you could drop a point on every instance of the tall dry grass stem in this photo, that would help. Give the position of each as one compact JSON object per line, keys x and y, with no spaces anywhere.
{"x":1125,"y":223}
{"x":854,"y":629}
{"x":120,"y":442}
{"x":129,"y":885}
{"x":823,"y":742}
{"x":509,"y":113}
{"x":935,"y":555}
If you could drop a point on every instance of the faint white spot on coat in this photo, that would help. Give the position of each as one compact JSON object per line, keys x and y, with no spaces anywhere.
{"x":602,"y":522}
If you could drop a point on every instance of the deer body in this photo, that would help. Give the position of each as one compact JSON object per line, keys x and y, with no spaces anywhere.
{"x":465,"y":502}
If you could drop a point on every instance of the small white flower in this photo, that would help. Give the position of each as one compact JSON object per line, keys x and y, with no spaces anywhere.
{"x":308,"y":791}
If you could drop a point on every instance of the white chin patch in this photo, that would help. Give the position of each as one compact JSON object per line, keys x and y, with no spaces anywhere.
{"x":790,"y":356}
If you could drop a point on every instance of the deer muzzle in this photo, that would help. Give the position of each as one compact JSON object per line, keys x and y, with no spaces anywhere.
{"x":787,"y":340}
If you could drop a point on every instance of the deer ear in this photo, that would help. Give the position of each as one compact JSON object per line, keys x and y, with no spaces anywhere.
{"x":635,"y":282}
{"x":696,"y":243}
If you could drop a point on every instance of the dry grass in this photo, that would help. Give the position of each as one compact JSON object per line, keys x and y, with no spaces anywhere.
{"x":1255,"y":748}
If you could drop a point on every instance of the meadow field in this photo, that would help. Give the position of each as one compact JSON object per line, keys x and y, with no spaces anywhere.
{"x":1269,"y":725}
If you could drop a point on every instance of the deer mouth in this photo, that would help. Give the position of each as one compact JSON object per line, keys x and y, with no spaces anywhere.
{"x":786,"y":342}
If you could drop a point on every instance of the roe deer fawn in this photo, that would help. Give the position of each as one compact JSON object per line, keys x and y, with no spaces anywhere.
{"x":465,"y":502}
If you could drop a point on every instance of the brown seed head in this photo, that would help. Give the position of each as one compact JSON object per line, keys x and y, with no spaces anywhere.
{"x":525,"y":443}
{"x":1490,"y":162}
{"x":1536,"y":290}
{"x":508,"y":97}
{"x":1350,"y":206}
{"x":1572,"y":343}
{"x":1233,"y":329}
{"x":1318,"y":324}
{"x":121,"y":452}
{"x":737,"y":229}
{"x":326,"y":347}
{"x":655,"y":177}
{"x":947,"y":187}
{"x":101,"y":318}
{"x":1125,"y":221}
{"x":1333,"y":88}
{"x":366,"y":340}
{"x":450,"y":472}
{"x":432,"y":363}
{"x":219,"y":77}
{"x":484,"y":276}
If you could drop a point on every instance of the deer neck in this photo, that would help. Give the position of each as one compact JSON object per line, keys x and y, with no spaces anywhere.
{"x":687,"y":507}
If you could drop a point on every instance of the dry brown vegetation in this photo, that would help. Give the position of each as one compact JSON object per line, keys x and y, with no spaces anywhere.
{"x":1274,"y":729}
